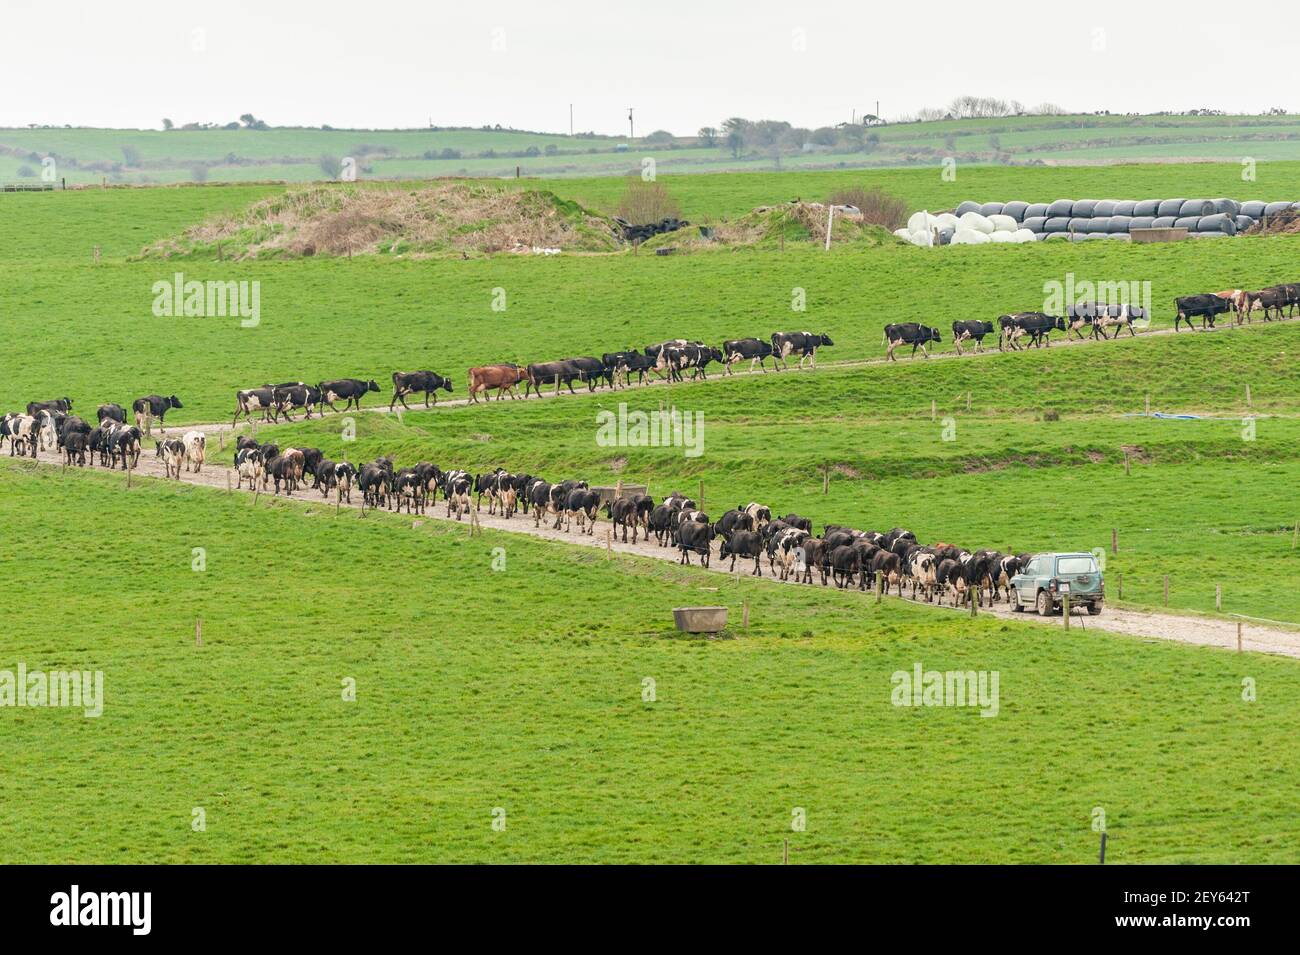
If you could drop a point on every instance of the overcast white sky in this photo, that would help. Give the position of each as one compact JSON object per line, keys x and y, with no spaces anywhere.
{"x":682,"y":63}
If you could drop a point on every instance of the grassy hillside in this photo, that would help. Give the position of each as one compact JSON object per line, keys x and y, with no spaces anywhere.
{"x":532,"y":702}
{"x":89,"y":156}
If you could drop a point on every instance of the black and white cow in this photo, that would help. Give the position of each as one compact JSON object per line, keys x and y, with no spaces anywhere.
{"x":351,"y":390}
{"x":909,"y":333}
{"x":676,"y":358}
{"x":743,"y":543}
{"x":254,"y":399}
{"x":1207,"y":307}
{"x":584,"y":504}
{"x":153,"y":406}
{"x":694,"y":537}
{"x":417,"y":382}
{"x":970,"y":331}
{"x":20,"y":429}
{"x":739,"y":349}
{"x":63,"y":405}
{"x":1037,"y":325}
{"x":803,"y":344}
{"x":287,"y":397}
{"x":172,"y":455}
{"x":111,"y":412}
{"x":248,"y":467}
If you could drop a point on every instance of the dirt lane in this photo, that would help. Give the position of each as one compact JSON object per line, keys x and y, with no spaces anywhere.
{"x":1165,"y":626}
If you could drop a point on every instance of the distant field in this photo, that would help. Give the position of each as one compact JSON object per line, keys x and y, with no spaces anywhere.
{"x":532,"y":703}
{"x":90,"y":156}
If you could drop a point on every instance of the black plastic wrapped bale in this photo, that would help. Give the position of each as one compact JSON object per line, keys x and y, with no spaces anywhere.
{"x":1141,"y":222}
{"x":1098,"y":225}
{"x":945,"y":234}
{"x":1057,"y":224}
{"x":1147,"y":207}
{"x":1227,"y":206}
{"x":1078,"y":225}
{"x":1196,"y":207}
{"x":1170,"y":209}
{"x":1125,"y":207}
{"x":1036,"y":224}
{"x":1187,"y":222}
{"x":1275,"y":208}
{"x":991,"y":209}
{"x":1244,"y":222}
{"x":1120,"y":224}
{"x":1083,"y":209}
{"x":1219,"y":222}
{"x":967,"y":206}
{"x":1117,"y":235}
{"x":1163,"y":222}
{"x":1254,"y":208}
{"x":1036,"y":210}
{"x":1016,"y":210}
{"x":1056,"y":235}
{"x":1104,"y":209}
{"x":1061,"y":207}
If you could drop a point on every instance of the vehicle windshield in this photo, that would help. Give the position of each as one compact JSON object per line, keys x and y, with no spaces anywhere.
{"x":1076,"y":565}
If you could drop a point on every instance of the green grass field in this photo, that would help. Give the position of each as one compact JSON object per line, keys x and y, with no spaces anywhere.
{"x":89,"y":156}
{"x":521,"y":688}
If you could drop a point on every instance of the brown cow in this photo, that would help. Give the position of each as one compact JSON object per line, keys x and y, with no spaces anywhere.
{"x":1240,"y":302}
{"x":501,"y":377}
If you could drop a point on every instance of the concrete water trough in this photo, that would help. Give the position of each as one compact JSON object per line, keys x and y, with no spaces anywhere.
{"x":1157,"y":235}
{"x":618,"y":492}
{"x":700,"y":619}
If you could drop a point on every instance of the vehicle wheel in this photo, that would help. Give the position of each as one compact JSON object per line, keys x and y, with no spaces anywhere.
{"x":1044,"y":604}
{"x":1094,"y":609}
{"x":1016,"y":605}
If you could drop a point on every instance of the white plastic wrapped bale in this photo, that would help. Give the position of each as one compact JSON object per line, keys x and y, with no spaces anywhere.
{"x":976,"y":222}
{"x":1025,"y":235}
{"x":946,"y":220}
{"x":1004,"y":223}
{"x":1002,"y":236}
{"x":921,"y":222}
{"x":903,"y":234}
{"x":966,"y":236}
{"x":922,"y":237}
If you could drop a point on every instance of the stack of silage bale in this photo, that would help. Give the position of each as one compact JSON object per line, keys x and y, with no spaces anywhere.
{"x":970,"y":228}
{"x":1080,"y":219}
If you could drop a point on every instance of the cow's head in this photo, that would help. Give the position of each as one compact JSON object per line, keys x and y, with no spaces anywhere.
{"x":826,"y":339}
{"x":1060,"y":324}
{"x":372,"y":385}
{"x":934,"y":335}
{"x":446,"y":384}
{"x":174,"y":401}
{"x":157,"y":449}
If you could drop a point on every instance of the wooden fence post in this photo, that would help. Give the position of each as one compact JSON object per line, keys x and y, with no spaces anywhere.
{"x":609,"y":543}
{"x":1166,"y":590}
{"x":1114,"y":541}
{"x":880,"y":586}
{"x":198,"y":632}
{"x":744,"y":613}
{"x":1121,"y":586}
{"x":1238,"y":636}
{"x":1218,"y":597}
{"x":826,"y":478}
{"x":1126,"y":463}
{"x":974,"y":604}
{"x":702,"y":494}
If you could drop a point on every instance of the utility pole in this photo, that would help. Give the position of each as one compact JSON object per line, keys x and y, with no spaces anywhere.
{"x":631,"y":132}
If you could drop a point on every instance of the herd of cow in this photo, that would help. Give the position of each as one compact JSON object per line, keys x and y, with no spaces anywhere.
{"x":51,"y":426}
{"x":844,"y":555}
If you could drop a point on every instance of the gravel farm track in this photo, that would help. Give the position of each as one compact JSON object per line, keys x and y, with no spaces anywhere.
{"x":1194,"y":629}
